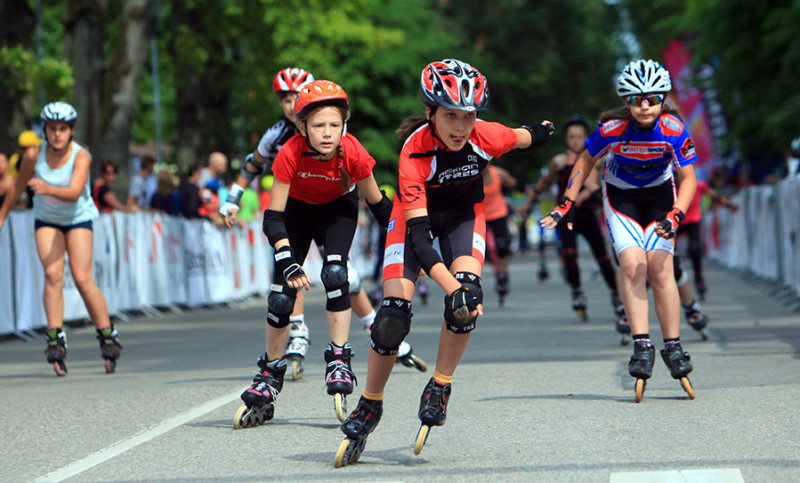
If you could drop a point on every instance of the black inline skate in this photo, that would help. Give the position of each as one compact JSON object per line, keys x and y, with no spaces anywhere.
{"x":543,"y":273}
{"x":696,"y":318}
{"x":339,"y":377}
{"x":259,"y":398}
{"x":622,"y":324}
{"x":680,"y":365}
{"x":406,"y":356}
{"x":503,"y":286}
{"x":361,"y":422}
{"x":579,"y":303}
{"x":56,"y":350}
{"x":110,"y":348}
{"x":296,"y":348}
{"x":432,"y":410}
{"x":640,"y":366}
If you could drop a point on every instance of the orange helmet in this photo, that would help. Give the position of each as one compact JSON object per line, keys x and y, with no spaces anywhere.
{"x":291,"y":79}
{"x":320,"y":93}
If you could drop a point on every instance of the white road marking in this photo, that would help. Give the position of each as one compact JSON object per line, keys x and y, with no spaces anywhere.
{"x":725,"y":475}
{"x":120,"y":447}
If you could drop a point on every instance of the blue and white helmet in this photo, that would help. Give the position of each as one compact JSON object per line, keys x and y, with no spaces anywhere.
{"x":643,"y":77}
{"x":59,"y":111}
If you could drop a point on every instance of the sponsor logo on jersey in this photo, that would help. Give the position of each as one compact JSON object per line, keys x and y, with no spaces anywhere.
{"x":687,"y":150}
{"x":466,"y":171}
{"x":611,"y":125}
{"x":394,"y":254}
{"x":307,"y":175}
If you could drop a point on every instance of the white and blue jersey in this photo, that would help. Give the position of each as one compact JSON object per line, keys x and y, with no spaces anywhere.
{"x":274,"y":138}
{"x":641,"y":159}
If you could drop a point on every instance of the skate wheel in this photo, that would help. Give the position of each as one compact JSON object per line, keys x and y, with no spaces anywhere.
{"x":687,"y":386}
{"x":340,"y":404}
{"x":60,"y":368}
{"x":341,"y":453}
{"x":582,"y":315}
{"x":297,"y":369}
{"x":111,"y":366}
{"x":704,"y":334}
{"x":418,"y":363}
{"x":422,"y":437}
{"x":640,"y":385}
{"x":239,"y":421}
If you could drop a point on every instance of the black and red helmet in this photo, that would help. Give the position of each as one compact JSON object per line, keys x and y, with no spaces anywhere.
{"x":291,"y":79}
{"x":453,"y":84}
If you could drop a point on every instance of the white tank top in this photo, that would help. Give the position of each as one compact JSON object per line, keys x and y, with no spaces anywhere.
{"x":50,"y":209}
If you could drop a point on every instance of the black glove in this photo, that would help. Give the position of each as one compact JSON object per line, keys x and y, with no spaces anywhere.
{"x":382,"y":210}
{"x":563,"y":211}
{"x":540,"y":133}
{"x":286,"y":264}
{"x":671,"y":223}
{"x":461,"y":302}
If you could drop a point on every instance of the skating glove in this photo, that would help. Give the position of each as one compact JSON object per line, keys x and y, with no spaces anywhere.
{"x":286,"y":264}
{"x":231,"y":204}
{"x":563,"y":211}
{"x":462,"y":302}
{"x":671,"y":223}
{"x":540,"y":133}
{"x":382,"y":210}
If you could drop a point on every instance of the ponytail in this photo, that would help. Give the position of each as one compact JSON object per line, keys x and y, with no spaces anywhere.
{"x":409,"y":125}
{"x":342,"y":171}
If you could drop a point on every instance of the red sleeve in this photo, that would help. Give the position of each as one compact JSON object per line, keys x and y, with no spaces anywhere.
{"x":412,"y":179}
{"x":359,"y":162}
{"x":285,"y":165}
{"x":494,"y":138}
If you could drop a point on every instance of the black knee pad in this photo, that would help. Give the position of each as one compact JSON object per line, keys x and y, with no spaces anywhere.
{"x":503,"y":246}
{"x":569,"y":256}
{"x":695,"y":250}
{"x":280,"y":304}
{"x":392,"y":325}
{"x":465,"y":325}
{"x":334,"y":279}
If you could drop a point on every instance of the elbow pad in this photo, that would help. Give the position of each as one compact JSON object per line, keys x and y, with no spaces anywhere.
{"x":421,"y":238}
{"x":246,"y":173}
{"x":274,"y":226}
{"x":382,"y":210}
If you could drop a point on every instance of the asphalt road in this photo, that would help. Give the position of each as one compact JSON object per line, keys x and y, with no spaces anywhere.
{"x":539,"y":396}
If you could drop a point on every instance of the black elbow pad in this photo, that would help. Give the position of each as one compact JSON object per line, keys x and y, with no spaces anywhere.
{"x":421,"y":238}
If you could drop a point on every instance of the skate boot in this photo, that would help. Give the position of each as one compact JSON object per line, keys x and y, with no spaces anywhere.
{"x":623,"y":326}
{"x":640,"y":366}
{"x":110,"y":348}
{"x":56,"y":350}
{"x":680,"y":365}
{"x":339,"y":377}
{"x":543,"y":273}
{"x":432,"y":410}
{"x":296,"y":348}
{"x":696,"y":318}
{"x":406,"y":357}
{"x":422,"y":290}
{"x":579,"y":303}
{"x":259,"y":398}
{"x":700,"y":285}
{"x":503,"y":286}
{"x":361,"y":422}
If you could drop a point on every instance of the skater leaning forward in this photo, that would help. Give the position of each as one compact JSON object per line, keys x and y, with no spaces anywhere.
{"x":647,"y":142}
{"x":63,"y":211}
{"x":317,"y":174}
{"x":440,"y":197}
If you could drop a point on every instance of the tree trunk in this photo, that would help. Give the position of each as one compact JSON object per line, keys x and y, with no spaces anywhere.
{"x":16,"y":107}
{"x":84,"y":23}
{"x":120,"y":101}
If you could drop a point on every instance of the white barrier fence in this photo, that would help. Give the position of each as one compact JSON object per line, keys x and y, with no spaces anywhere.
{"x":142,"y":260}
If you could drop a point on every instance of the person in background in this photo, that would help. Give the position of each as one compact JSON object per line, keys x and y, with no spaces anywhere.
{"x":189,"y":193}
{"x":144,"y":184}
{"x":166,"y":199}
{"x":103,"y":197}
{"x":215,"y":171}
{"x":28,"y":145}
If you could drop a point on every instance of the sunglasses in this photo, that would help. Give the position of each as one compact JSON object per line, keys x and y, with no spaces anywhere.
{"x":652,"y":99}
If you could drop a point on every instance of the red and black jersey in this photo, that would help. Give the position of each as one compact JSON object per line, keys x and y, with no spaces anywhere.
{"x":316,"y":181}
{"x":433,"y":177}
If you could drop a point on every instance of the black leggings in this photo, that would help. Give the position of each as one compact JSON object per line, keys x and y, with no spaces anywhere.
{"x":587,"y":225}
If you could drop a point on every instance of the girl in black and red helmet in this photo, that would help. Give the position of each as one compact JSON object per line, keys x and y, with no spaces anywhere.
{"x":440,"y":197}
{"x":318,"y":174}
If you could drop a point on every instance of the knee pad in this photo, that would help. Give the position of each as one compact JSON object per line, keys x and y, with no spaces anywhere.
{"x":695,"y":250}
{"x":280,"y":304}
{"x":334,"y":279}
{"x":503,"y":246}
{"x":392,"y":325}
{"x":464,"y":325}
{"x":680,"y":274}
{"x":354,"y":279}
{"x":569,"y":256}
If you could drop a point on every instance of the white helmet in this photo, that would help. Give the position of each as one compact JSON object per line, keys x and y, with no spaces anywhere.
{"x":643,"y":77}
{"x":59,"y":111}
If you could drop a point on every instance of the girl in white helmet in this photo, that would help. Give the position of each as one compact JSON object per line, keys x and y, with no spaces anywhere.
{"x":63,"y":210}
{"x":647,"y":142}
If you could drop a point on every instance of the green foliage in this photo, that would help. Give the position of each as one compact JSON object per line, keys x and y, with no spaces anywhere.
{"x":21,"y":72}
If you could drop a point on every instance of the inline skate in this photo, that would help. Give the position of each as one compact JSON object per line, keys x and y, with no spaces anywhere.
{"x":680,"y":365}
{"x":296,"y":348}
{"x":543,"y":273}
{"x":579,"y":303}
{"x":700,"y":285}
{"x":503,"y":286}
{"x":406,"y":356}
{"x":361,"y":422}
{"x":339,"y":377}
{"x":640,"y":366}
{"x":259,"y":398}
{"x":422,"y":290}
{"x":56,"y":350}
{"x":432,"y":410}
{"x":696,"y":319}
{"x":110,"y":348}
{"x":622,"y":324}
